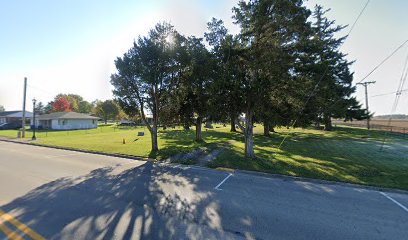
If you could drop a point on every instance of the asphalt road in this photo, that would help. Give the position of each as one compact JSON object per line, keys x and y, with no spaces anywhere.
{"x":60,"y":194}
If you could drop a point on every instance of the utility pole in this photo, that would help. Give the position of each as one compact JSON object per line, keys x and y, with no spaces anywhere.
{"x":365,"y":84}
{"x":34,"y":137}
{"x":24,"y":107}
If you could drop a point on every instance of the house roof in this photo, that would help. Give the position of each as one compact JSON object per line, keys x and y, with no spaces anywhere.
{"x":66,"y":115}
{"x":7,"y":113}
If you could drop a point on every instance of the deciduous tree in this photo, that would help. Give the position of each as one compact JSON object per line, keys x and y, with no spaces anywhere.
{"x":107,"y":110}
{"x":61,"y":105}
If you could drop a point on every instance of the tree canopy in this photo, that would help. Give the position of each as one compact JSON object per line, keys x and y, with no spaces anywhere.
{"x":144,"y":75}
{"x":61,"y":105}
{"x":107,"y":110}
{"x":76,"y":102}
{"x":284,"y":68}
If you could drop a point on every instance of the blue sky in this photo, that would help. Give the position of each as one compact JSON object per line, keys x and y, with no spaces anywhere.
{"x":69,"y":46}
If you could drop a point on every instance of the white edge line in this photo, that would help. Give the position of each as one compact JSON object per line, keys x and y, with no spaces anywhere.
{"x":64,"y":155}
{"x":394,"y":201}
{"x":225,"y":179}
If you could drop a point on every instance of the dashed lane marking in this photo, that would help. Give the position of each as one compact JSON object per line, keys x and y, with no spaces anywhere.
{"x":223,"y":181}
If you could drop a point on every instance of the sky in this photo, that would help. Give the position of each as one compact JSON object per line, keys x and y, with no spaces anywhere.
{"x":69,"y":46}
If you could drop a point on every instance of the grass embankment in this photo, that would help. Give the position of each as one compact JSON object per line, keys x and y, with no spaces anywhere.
{"x":346,"y":154}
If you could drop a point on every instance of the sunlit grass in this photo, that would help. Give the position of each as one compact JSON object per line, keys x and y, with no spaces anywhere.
{"x":346,"y":154}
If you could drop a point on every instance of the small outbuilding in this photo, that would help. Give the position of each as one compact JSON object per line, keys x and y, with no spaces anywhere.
{"x":66,"y":121}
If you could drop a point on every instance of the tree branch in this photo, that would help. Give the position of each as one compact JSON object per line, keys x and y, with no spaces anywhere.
{"x":240,"y":125}
{"x":141,"y":103}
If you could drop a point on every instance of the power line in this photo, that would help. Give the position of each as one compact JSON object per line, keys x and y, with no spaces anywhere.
{"x":383,"y":61}
{"x":40,"y":89}
{"x":404,"y":74}
{"x":359,"y":15}
{"x":400,"y":85}
{"x":397,"y":97}
{"x":385,"y":94}
{"x":324,"y":73}
{"x":375,"y":68}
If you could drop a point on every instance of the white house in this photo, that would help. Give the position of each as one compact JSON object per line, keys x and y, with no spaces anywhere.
{"x":66,"y":121}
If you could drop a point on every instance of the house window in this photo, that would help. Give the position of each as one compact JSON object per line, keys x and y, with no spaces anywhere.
{"x":62,"y":122}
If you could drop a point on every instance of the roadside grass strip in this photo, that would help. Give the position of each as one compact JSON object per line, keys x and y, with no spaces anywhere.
{"x":7,"y":220}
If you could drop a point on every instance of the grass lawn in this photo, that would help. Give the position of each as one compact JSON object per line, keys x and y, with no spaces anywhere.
{"x":346,"y":154}
{"x":110,"y":139}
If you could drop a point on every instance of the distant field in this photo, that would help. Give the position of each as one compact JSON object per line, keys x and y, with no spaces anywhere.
{"x":386,"y":125}
{"x":394,"y":123}
{"x":346,"y":154}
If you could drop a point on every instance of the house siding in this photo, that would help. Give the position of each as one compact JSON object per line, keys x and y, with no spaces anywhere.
{"x":67,"y":124}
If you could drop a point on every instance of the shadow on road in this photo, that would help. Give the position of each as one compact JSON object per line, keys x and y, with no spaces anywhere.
{"x":148,"y":202}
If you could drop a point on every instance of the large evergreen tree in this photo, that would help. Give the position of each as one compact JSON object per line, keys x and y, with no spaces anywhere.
{"x":226,"y":89}
{"x":195,"y":86}
{"x":271,"y":31}
{"x":331,"y":73}
{"x":144,"y":74}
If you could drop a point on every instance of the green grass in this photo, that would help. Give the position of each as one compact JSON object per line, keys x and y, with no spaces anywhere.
{"x":346,"y":154}
{"x":109,"y":139}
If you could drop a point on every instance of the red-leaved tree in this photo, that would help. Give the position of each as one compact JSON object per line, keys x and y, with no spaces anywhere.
{"x":61,"y":105}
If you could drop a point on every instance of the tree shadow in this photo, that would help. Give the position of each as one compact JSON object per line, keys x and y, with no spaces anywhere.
{"x":331,"y":158}
{"x":145,"y":202}
{"x":183,"y":141}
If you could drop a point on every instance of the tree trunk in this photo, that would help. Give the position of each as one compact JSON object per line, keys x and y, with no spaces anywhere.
{"x":198,"y":129}
{"x":267,"y":129}
{"x":327,"y":123}
{"x":155,"y":146}
{"x":249,"y":142}
{"x":186,"y":125}
{"x":233,"y":129}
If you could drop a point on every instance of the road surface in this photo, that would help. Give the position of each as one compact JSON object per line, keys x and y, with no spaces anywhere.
{"x":56,"y":194}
